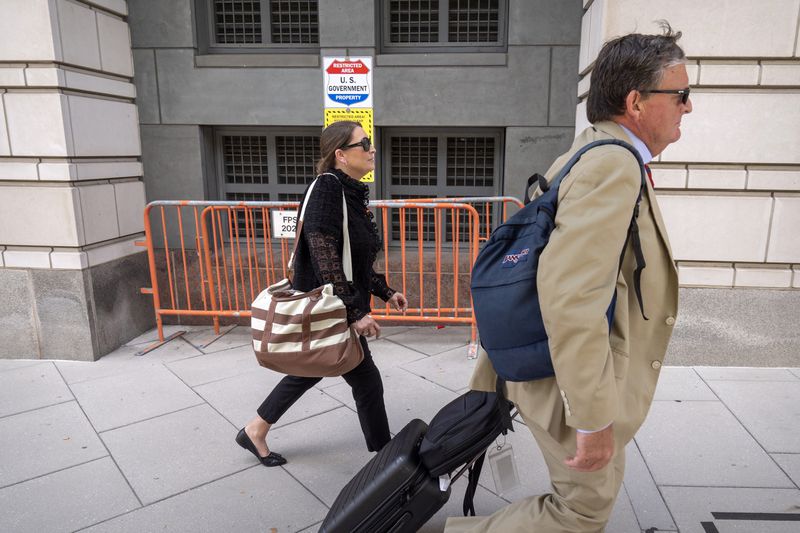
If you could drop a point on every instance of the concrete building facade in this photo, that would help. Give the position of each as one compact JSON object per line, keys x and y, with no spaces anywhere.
{"x":228,"y":99}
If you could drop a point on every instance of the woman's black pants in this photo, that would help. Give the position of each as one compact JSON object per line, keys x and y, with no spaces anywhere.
{"x":365,"y":379}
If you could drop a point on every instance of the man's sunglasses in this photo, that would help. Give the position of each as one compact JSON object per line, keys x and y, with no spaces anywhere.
{"x":683,"y":92}
{"x":364,"y":143}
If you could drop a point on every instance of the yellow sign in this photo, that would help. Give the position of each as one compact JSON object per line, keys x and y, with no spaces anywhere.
{"x":362,"y":115}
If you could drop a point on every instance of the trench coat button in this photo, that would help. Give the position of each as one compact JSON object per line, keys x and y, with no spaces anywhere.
{"x":670,"y":320}
{"x":656,"y":365}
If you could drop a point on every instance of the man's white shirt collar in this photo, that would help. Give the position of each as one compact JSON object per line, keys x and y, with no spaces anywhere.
{"x":639,"y":145}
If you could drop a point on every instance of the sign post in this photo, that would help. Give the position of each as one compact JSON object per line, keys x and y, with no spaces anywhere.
{"x":348,"y":93}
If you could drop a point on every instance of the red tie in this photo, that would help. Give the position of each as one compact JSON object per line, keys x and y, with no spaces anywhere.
{"x":650,"y":175}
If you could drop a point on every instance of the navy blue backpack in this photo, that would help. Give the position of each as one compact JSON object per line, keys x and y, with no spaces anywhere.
{"x":504,"y":293}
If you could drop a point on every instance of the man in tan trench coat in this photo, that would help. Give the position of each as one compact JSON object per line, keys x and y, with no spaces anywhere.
{"x":604,"y":384}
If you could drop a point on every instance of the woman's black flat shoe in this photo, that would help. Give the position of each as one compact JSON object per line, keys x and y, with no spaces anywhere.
{"x":273,"y":459}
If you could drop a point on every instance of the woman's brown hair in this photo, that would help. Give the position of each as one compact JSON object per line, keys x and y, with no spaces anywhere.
{"x":332,"y":138}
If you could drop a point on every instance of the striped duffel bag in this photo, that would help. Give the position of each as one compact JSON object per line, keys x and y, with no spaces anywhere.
{"x":303,"y":333}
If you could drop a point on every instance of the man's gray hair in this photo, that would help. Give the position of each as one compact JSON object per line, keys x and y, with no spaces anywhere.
{"x":634,"y":62}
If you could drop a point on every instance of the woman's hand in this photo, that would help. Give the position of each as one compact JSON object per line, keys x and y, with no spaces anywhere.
{"x":399,"y":301}
{"x":367,"y":326}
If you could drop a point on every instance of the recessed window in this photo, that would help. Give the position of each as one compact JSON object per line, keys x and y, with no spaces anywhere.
{"x":444,"y":25}
{"x":252,"y":25}
{"x":439,"y":164}
{"x":262,"y":165}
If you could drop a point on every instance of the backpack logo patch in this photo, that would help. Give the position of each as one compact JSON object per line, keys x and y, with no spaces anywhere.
{"x":511,"y":260}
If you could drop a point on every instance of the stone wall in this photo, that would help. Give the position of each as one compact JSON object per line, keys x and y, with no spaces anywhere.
{"x":730,"y":188}
{"x":71,"y":192}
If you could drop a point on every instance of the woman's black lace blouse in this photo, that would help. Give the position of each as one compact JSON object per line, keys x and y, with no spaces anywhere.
{"x":318,"y":259}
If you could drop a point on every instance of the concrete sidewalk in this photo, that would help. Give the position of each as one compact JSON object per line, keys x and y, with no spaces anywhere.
{"x":146,"y":443}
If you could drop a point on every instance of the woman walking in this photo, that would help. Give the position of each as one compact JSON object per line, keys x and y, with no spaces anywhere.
{"x":347,"y":155}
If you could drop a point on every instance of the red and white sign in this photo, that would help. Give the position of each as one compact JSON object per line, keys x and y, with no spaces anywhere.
{"x":348,"y":81}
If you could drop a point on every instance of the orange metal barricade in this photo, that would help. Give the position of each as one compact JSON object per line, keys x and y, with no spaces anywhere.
{"x":209,"y":260}
{"x":486,"y":208}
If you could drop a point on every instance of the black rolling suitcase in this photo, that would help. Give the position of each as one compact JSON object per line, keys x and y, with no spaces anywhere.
{"x":394,"y":492}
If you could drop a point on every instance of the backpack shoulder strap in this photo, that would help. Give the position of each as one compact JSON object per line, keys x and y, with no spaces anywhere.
{"x":633,"y":228}
{"x":567,"y":168}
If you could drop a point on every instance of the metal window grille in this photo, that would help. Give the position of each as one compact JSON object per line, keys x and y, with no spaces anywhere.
{"x":474,"y":21}
{"x":290,"y":196}
{"x":414,"y":21}
{"x":260,"y":164}
{"x":294,"y":22}
{"x":470,"y":162}
{"x":247,"y":197}
{"x":248,"y":25}
{"x":412,"y":218}
{"x":414,"y":161}
{"x":438,"y":163}
{"x":245,"y":159}
{"x":237,"y":21}
{"x":297,"y":156}
{"x":444,"y":25}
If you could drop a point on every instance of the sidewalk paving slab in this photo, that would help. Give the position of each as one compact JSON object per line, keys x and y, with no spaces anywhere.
{"x":13,"y":364}
{"x":151,"y":336}
{"x":166,"y":455}
{"x":406,"y":396}
{"x":43,"y":441}
{"x":387,"y":353}
{"x":75,"y":372}
{"x":716,"y":439}
{"x":242,"y":502}
{"x":120,"y":400}
{"x":67,"y":500}
{"x":715,"y":373}
{"x":208,"y":342}
{"x":767,"y":408}
{"x":324,"y":452}
{"x":212,"y":367}
{"x":432,"y":340}
{"x":31,"y":387}
{"x":692,"y":506}
{"x":237,"y":398}
{"x":649,"y":507}
{"x":702,"y":444}
{"x":790,"y":463}
{"x":450,"y":369}
{"x":124,"y":360}
{"x":623,"y":519}
{"x":682,"y":383}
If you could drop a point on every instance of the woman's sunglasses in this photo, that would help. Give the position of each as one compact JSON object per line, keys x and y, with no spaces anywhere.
{"x":364,"y":143}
